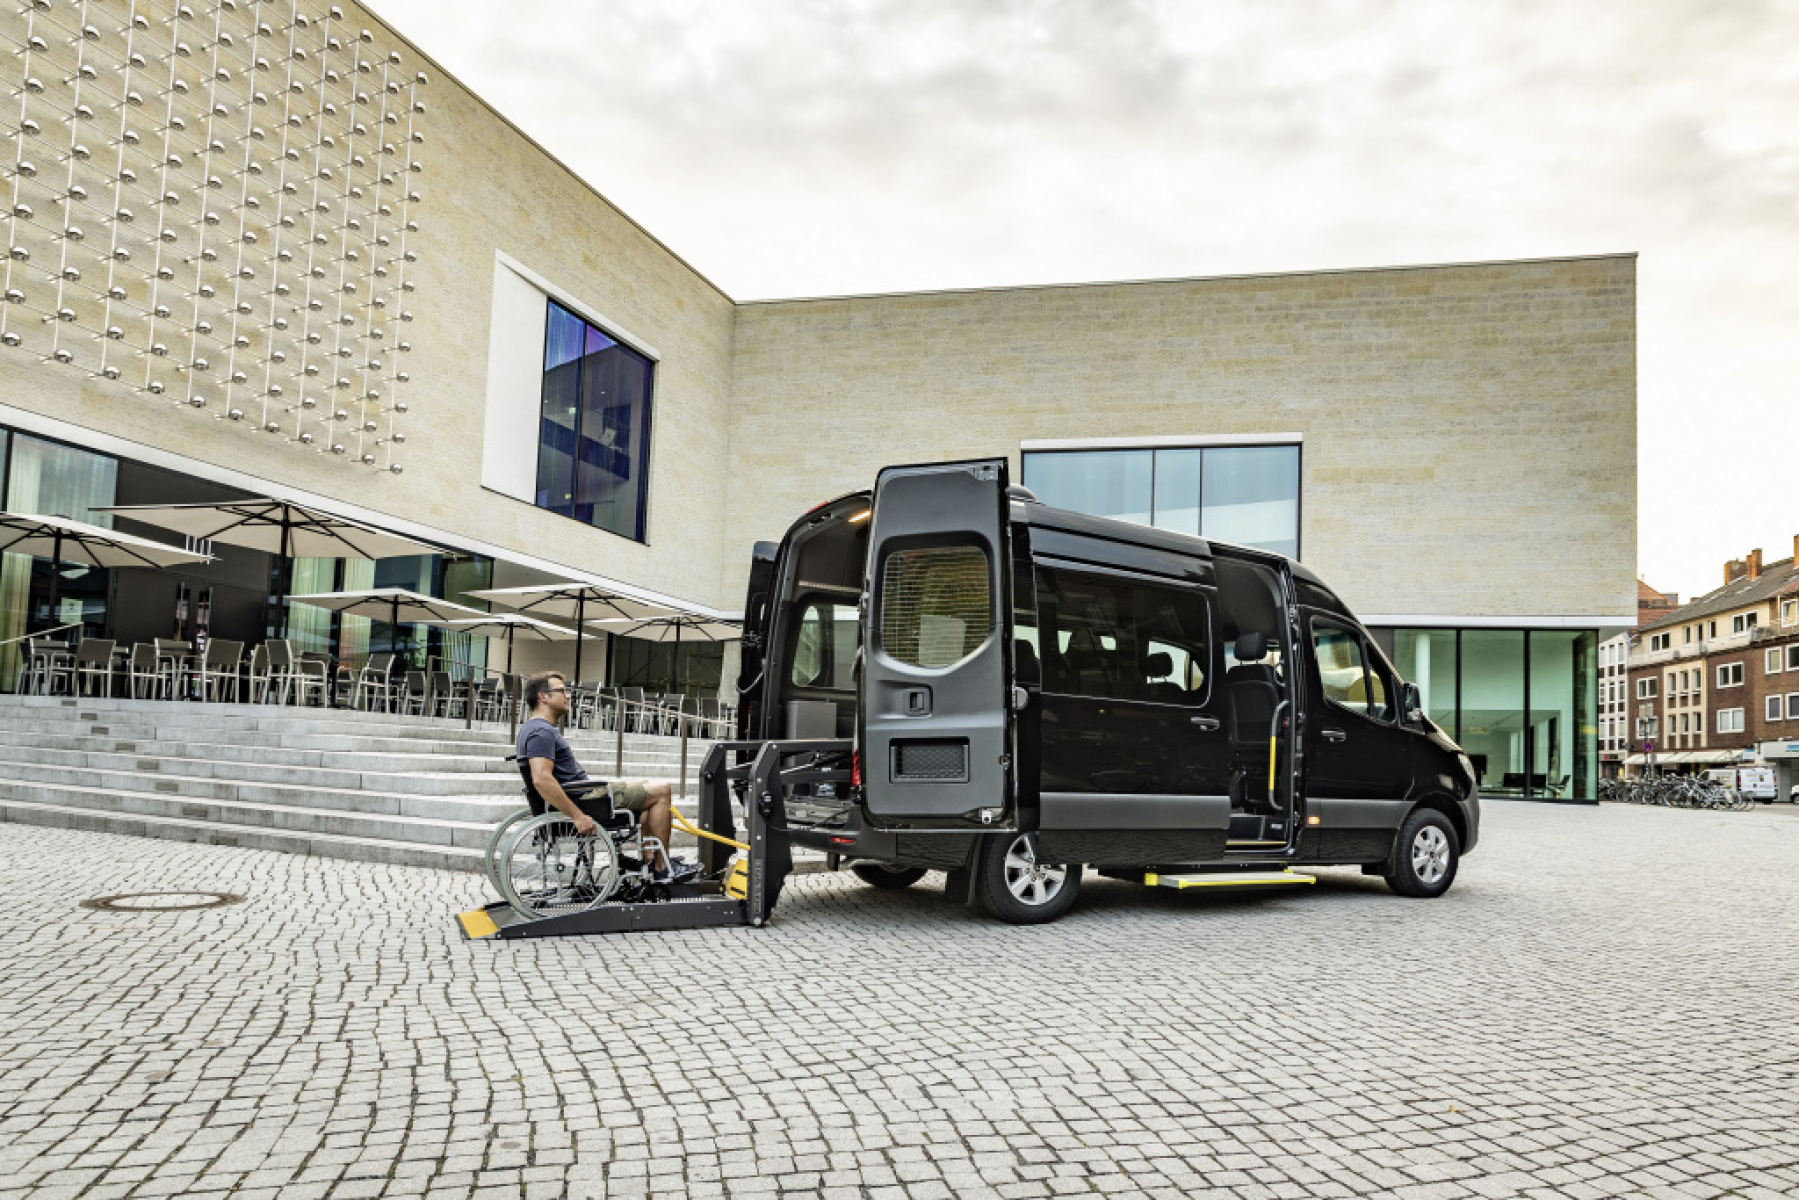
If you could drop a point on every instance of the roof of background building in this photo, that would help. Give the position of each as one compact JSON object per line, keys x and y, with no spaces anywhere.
{"x":1775,"y":578}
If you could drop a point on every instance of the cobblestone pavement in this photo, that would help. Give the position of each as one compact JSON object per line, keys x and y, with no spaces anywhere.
{"x":1604,"y":1005}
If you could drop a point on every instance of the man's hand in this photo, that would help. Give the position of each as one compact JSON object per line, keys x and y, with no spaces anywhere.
{"x":585,"y":825}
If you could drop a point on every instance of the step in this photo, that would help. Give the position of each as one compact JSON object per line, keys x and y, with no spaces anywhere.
{"x":181,"y":829}
{"x":452,"y":809}
{"x":1227,"y":879}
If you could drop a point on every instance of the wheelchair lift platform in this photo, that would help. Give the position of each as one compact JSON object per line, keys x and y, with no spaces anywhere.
{"x":727,"y":892}
{"x":1227,"y":879}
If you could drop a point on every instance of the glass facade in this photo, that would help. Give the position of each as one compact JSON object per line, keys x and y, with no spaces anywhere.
{"x":1243,"y":494}
{"x":594,"y":435}
{"x":1521,"y":703}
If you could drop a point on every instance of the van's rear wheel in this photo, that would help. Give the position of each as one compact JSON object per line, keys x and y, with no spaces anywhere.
{"x":1428,"y":854}
{"x":888,"y":879}
{"x":1018,"y":888}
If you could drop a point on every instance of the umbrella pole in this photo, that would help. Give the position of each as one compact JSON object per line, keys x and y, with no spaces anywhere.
{"x":278,"y":619}
{"x":676,"y":681}
{"x":509,"y":633}
{"x":580,"y":616}
{"x":606,"y":663}
{"x":55,"y":561}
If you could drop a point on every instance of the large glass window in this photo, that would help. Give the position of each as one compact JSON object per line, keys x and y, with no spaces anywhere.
{"x":594,"y":436}
{"x":51,"y":479}
{"x":1562,"y":716}
{"x":1243,"y":494}
{"x":1427,"y":657}
{"x":1493,"y":731}
{"x":1118,"y":640}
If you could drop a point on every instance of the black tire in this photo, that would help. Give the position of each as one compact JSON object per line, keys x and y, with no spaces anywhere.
{"x":888,"y":879}
{"x":1426,"y":855}
{"x":1014,"y":887}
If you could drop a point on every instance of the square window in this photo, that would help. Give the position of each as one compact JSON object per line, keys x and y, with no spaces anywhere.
{"x":1771,"y":661}
{"x":1730,"y":720}
{"x":1793,"y":706}
{"x":1789,"y":612}
{"x":1773,"y":708}
{"x":1793,"y":657}
{"x":1730,"y":674}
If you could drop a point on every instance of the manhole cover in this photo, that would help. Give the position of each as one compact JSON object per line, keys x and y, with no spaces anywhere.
{"x":161,"y":901}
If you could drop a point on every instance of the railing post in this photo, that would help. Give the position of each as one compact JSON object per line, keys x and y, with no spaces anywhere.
{"x":618,"y":769}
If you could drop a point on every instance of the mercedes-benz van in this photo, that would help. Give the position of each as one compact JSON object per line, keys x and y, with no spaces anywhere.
{"x":1028,"y":692}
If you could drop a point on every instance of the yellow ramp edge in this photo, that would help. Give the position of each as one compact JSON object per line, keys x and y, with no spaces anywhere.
{"x":477,"y":924}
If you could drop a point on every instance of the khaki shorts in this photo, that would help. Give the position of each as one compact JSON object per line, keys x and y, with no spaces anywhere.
{"x":629,"y":796}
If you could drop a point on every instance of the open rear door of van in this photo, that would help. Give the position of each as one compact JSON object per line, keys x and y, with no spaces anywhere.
{"x":935,"y":717}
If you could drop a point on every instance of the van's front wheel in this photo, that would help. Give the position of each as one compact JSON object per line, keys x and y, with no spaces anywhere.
{"x":1427,"y":856}
{"x":1018,"y":888}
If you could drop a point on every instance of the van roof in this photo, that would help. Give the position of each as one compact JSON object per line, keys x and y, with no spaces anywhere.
{"x":1035,"y":512}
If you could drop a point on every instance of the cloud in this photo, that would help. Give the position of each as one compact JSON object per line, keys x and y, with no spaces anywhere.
{"x":827,"y":146}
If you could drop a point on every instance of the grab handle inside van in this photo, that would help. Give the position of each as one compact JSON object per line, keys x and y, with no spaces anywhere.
{"x":1274,"y":746}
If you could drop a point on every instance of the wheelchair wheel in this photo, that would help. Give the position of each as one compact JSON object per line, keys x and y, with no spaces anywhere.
{"x":546,"y":869}
{"x":501,"y":832}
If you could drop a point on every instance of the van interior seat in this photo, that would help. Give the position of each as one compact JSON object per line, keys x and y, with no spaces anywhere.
{"x":1156,"y":670}
{"x":1253,"y":689}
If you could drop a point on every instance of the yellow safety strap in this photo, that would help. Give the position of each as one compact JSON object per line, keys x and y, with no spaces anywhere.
{"x":690,"y":827}
{"x":1274,"y":745}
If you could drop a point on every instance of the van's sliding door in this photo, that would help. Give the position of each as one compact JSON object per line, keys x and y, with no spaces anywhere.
{"x":934,"y":714}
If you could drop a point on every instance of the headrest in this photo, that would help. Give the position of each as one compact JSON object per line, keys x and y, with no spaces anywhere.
{"x":1159,"y":665}
{"x":1251,"y":647}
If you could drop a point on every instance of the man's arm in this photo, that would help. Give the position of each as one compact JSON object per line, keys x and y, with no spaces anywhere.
{"x":543,"y":778}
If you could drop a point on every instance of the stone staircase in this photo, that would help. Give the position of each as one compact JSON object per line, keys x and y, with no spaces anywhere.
{"x":420,"y":791}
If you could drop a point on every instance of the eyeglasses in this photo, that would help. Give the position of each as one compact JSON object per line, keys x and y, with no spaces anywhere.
{"x":553,"y":691}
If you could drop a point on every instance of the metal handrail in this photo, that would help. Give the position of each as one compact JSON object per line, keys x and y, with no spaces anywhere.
{"x":25,"y":637}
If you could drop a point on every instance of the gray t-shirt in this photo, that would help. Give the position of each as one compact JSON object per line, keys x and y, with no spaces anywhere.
{"x":538,"y":738}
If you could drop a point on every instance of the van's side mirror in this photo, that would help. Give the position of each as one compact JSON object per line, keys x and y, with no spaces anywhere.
{"x":1411,"y":704}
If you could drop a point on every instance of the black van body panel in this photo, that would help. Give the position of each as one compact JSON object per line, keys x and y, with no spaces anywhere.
{"x":1118,"y":783}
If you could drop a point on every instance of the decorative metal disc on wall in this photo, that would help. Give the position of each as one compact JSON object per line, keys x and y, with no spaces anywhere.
{"x":210,"y":204}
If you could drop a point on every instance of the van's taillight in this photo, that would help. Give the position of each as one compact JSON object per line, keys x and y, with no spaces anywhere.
{"x":856,"y":769}
{"x":837,"y":841}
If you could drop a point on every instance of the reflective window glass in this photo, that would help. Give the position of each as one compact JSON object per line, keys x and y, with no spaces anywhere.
{"x":824,"y":650}
{"x":1116,"y":639}
{"x":594,"y":434}
{"x":1250,"y":495}
{"x":1105,"y":483}
{"x":1341,"y":673}
{"x":1177,"y":490}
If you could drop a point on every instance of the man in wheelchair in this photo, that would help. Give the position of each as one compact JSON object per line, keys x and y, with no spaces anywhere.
{"x":551,"y":764}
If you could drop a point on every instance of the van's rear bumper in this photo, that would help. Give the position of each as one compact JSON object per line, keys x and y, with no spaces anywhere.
{"x":1470,"y":820}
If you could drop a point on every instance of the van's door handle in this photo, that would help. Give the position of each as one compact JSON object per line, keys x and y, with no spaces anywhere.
{"x":1209,"y":724}
{"x":1333,"y":735}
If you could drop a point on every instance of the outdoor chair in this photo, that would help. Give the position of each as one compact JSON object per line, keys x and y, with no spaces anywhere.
{"x":585,"y":699}
{"x":258,"y":676}
{"x":415,"y":694}
{"x":669,"y":712}
{"x":374,"y":683}
{"x":143,"y":675}
{"x":171,"y":662}
{"x":447,"y":697}
{"x":220,"y":669}
{"x":490,"y":698}
{"x":515,"y":691}
{"x":42,"y":658}
{"x":291,"y":676}
{"x":631,"y":709}
{"x":90,"y":666}
{"x":710,"y":720}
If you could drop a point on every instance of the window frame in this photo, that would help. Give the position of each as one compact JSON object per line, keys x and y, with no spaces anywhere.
{"x":1730,"y":675}
{"x":1364,"y":642}
{"x":645,"y":439}
{"x":1730,"y":720}
{"x":1772,"y":660}
{"x":1646,"y":688}
{"x":1771,"y":709}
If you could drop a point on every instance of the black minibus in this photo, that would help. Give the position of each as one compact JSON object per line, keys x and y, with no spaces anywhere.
{"x":1026,"y":693}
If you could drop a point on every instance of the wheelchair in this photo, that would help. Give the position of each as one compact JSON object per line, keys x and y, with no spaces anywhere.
{"x":542,"y":867}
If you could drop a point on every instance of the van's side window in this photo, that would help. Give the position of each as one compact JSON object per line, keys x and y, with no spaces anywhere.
{"x":1348,"y":674}
{"x":1341,"y":673}
{"x":1117,"y":639}
{"x":824,"y":649}
{"x":936,"y":604}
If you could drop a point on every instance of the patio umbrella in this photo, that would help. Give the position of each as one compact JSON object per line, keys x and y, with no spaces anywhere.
{"x":288,"y":531}
{"x":671,"y":628}
{"x":507,"y":624}
{"x":582,"y":603}
{"x":396,"y":606}
{"x":62,"y":540}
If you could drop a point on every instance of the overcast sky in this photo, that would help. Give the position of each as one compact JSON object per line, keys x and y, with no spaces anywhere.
{"x":808,"y":147}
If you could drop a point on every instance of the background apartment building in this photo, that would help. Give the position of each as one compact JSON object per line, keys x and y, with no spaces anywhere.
{"x":273,"y":250}
{"x":1617,"y":725}
{"x":1716,"y":677}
